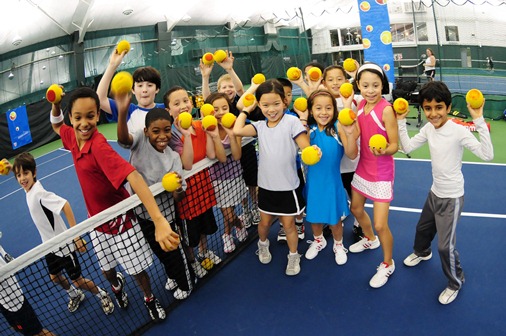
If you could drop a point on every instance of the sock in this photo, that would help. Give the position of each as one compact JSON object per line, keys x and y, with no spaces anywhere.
{"x":149,"y":299}
{"x":337,"y":242}
{"x":320,"y":237}
{"x":101,"y":293}
{"x":299,"y":221}
{"x":355,"y":223}
{"x":72,"y":292}
{"x":116,"y":289}
{"x":295,"y":253}
{"x":263,"y":243}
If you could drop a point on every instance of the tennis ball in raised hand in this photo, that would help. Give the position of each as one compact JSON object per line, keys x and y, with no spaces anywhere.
{"x":258,"y":78}
{"x":123,"y":45}
{"x":207,"y":264}
{"x":208,"y":58}
{"x":310,"y":156}
{"x":185,"y":119}
{"x":349,"y":65}
{"x":346,"y":116}
{"x":314,"y":74}
{"x":475,"y":98}
{"x":4,"y":170}
{"x":401,"y":106}
{"x":293,"y":73}
{"x":53,"y":94}
{"x":122,"y":83}
{"x":248,"y":100}
{"x":228,"y":120}
{"x":346,"y":89}
{"x":170,"y":182}
{"x":209,"y":122}
{"x":300,"y":104}
{"x":220,"y":55}
{"x":378,"y":142}
{"x":207,"y":109}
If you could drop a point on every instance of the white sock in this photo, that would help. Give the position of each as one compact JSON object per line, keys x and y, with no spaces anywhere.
{"x":336,"y":242}
{"x":264,"y":243}
{"x":320,"y":237}
{"x":72,"y":291}
{"x":295,"y":253}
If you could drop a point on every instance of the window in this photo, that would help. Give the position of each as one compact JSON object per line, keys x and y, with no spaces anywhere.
{"x":351,"y":36}
{"x":402,"y":32}
{"x":421,"y":32}
{"x":334,"y":38}
{"x":452,"y":33}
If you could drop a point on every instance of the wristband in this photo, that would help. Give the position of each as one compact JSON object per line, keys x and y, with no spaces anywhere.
{"x":246,"y":113}
{"x":56,"y":120}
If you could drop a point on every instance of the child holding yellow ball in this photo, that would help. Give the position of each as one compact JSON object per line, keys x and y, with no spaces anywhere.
{"x":443,"y":206}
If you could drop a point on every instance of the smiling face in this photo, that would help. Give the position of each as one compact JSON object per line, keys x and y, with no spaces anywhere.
{"x":334,"y":78}
{"x":145,"y":93}
{"x":84,"y":118}
{"x":221,"y":107}
{"x":227,"y":87}
{"x":370,"y":86}
{"x":179,"y":102}
{"x":323,"y":110}
{"x":25,"y":178}
{"x":436,"y":112}
{"x":272,"y":106}
{"x":159,"y":134}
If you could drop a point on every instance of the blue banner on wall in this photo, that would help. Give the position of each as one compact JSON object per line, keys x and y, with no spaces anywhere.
{"x":376,"y":35}
{"x":19,"y":128}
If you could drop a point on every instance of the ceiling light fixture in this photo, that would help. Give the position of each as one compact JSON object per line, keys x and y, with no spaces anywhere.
{"x":128,"y":10}
{"x":11,"y":75}
{"x":17,"y":40}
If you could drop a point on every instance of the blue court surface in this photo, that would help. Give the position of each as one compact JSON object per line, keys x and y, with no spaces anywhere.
{"x":248,"y":298}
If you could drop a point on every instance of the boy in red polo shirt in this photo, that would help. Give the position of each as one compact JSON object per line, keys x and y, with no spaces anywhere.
{"x":102,"y":173}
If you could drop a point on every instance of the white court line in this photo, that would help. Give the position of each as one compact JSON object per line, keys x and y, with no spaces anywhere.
{"x":464,"y":214}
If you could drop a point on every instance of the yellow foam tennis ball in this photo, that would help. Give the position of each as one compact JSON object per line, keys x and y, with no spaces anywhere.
{"x":170,"y":182}
{"x":346,"y":90}
{"x":248,"y":100}
{"x":314,"y":74}
{"x":401,"y":106}
{"x":300,"y":104}
{"x":310,"y":156}
{"x":53,"y":94}
{"x":220,"y":55}
{"x":258,"y":78}
{"x":228,"y":120}
{"x":122,"y":83}
{"x":293,"y":73}
{"x":4,"y":170}
{"x":207,"y":109}
{"x":123,"y":45}
{"x":346,"y":116}
{"x":349,"y":65}
{"x":209,"y":122}
{"x":185,"y":119}
{"x":208,"y":58}
{"x":378,"y":141}
{"x":207,"y":264}
{"x":475,"y":98}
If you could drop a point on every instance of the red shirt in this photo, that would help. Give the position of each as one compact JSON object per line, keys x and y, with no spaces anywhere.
{"x":102,"y":172}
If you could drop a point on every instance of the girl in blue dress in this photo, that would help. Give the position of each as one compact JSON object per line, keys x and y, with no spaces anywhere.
{"x":326,"y":197}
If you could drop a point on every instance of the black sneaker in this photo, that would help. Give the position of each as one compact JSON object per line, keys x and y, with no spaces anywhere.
{"x":300,"y":230}
{"x":281,"y":234}
{"x":121,"y":296}
{"x":358,"y":234}
{"x":155,"y":309}
{"x":75,"y":302}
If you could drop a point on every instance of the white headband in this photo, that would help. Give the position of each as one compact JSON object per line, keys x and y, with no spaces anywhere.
{"x":370,"y":66}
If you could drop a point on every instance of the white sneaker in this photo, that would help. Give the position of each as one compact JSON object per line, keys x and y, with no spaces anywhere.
{"x":200,"y":271}
{"x":316,"y":246}
{"x":107,"y":305}
{"x":228,"y":243}
{"x":263,"y":252}
{"x":211,"y":255}
{"x":255,"y":215}
{"x":365,"y":244}
{"x":241,"y":234}
{"x":340,"y":254}
{"x":293,"y":267}
{"x":180,"y":294}
{"x":413,"y":259}
{"x":246,"y":218}
{"x":382,"y":274}
{"x":170,"y":284}
{"x":448,"y":295}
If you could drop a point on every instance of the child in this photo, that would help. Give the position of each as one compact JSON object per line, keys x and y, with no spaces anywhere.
{"x":45,"y":208}
{"x":443,"y":206}
{"x":279,"y":194}
{"x":147,"y":82}
{"x":152,"y":158}
{"x":325,"y":195}
{"x":102,"y":172}
{"x":231,"y":85}
{"x":16,"y":309}
{"x":227,"y":178}
{"x":374,"y":176}
{"x":333,"y":77}
{"x":196,"y":209}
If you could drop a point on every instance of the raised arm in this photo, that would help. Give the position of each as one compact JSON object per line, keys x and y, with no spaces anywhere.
{"x":228,"y":66}
{"x":123,"y":102}
{"x":103,"y":86}
{"x":56,"y":117}
{"x":205,"y":71}
{"x":240,"y":127}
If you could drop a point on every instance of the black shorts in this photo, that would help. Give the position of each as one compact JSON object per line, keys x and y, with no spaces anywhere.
{"x":203,"y":224}
{"x":24,"y":320}
{"x":249,"y":163}
{"x":281,"y":203}
{"x":347,"y":178}
{"x":70,"y":264}
{"x":430,"y":73}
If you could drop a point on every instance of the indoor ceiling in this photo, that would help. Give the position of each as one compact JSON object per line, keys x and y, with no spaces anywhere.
{"x":25,"y":22}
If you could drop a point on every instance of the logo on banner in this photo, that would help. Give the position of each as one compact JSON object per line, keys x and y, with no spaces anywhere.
{"x":12,"y":116}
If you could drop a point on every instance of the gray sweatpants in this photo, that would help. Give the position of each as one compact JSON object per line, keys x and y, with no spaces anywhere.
{"x":440,"y":215}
